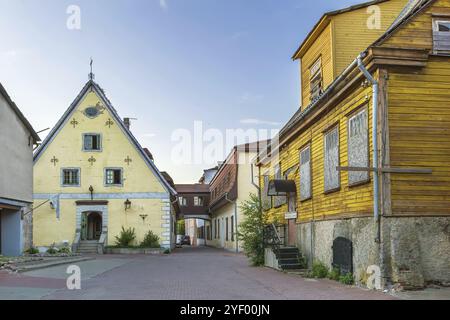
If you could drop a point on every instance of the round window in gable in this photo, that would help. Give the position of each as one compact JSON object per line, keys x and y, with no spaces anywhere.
{"x":91,"y":112}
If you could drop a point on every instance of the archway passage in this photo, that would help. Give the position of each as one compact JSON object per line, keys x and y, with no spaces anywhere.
{"x":91,"y":226}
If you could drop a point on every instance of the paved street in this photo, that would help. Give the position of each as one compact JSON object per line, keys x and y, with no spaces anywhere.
{"x":194,"y":274}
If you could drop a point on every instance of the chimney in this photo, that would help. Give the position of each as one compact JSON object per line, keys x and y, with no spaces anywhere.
{"x":127,"y":123}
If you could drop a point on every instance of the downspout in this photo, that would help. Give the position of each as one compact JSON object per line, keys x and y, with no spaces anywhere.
{"x":375,"y":89}
{"x":235,"y":220}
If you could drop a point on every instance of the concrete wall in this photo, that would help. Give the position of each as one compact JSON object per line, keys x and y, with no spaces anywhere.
{"x":16,"y":162}
{"x":412,"y":252}
{"x":11,"y":233}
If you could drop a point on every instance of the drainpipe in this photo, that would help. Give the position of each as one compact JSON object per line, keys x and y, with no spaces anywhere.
{"x":375,"y":89}
{"x":235,"y":221}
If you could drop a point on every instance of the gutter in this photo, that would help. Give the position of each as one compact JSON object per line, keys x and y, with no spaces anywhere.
{"x":376,"y":191}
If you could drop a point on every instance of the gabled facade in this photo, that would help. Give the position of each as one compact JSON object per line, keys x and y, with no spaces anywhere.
{"x":390,"y":103}
{"x":17,"y":140}
{"x":92,"y":177}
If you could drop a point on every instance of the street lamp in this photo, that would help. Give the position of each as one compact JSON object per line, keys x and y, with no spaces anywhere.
{"x":127,"y":204}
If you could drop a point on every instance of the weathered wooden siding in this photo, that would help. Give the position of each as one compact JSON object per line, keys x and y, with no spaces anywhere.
{"x":348,"y":201}
{"x":322,"y":47}
{"x":352,"y":34}
{"x":418,"y":32}
{"x":419,"y":123}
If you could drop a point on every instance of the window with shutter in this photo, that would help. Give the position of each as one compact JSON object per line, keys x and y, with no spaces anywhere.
{"x":331,"y":160}
{"x":358,"y":147}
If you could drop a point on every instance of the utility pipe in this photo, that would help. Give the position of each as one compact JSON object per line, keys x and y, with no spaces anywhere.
{"x":375,"y":90}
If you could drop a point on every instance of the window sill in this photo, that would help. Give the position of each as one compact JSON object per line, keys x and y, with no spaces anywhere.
{"x":360,"y":183}
{"x":332,"y":191}
{"x":305,"y":200}
{"x":113,"y":185}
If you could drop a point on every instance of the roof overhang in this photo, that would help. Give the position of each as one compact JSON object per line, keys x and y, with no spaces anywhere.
{"x":281,"y":187}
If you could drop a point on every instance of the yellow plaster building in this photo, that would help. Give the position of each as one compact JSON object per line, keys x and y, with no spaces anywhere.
{"x":92,"y":177}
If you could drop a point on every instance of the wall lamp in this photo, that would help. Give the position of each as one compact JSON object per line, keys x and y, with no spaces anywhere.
{"x":127,"y":204}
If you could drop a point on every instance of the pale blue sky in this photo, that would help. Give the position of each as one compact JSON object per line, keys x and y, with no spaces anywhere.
{"x":167,"y":63}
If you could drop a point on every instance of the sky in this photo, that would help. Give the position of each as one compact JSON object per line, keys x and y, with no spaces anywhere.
{"x":169,"y":63}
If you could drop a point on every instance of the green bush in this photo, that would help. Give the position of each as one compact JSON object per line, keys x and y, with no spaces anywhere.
{"x":65,"y":250}
{"x":319,"y":270}
{"x":32,"y":250}
{"x":52,"y":250}
{"x":167,"y":251}
{"x":347,"y":279}
{"x":151,"y":240}
{"x":126,"y":237}
{"x":251,"y":230}
{"x":334,"y":274}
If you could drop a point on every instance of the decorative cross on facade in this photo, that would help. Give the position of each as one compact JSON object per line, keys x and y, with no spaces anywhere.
{"x":54,"y":161}
{"x":128,"y":160}
{"x":74,"y":122}
{"x":109,"y":123}
{"x":92,"y":160}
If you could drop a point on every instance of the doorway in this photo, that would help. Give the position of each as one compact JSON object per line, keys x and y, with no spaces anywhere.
{"x":292,"y":223}
{"x":91,"y":226}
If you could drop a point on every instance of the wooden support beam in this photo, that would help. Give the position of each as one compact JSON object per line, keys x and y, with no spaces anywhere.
{"x":388,"y":170}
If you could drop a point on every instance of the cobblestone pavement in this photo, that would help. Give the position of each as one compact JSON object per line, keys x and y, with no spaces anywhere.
{"x":188,"y":273}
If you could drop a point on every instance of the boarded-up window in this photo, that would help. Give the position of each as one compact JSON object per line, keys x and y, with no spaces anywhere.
{"x":305,"y":174}
{"x":331,"y":160}
{"x":278,"y":200}
{"x":358,"y":147}
{"x":441,"y":36}
{"x":266,"y":200}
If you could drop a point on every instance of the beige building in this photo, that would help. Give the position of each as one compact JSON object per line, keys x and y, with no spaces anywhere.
{"x":230,"y":187}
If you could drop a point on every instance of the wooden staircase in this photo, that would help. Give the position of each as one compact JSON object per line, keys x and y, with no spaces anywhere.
{"x":88,"y":247}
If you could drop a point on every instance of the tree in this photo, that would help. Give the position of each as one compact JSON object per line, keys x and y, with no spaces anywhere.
{"x":180,"y":227}
{"x":251,"y":230}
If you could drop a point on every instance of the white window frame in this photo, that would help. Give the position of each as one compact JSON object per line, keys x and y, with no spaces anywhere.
{"x":182,"y":201}
{"x":199,"y":201}
{"x":441,"y":36}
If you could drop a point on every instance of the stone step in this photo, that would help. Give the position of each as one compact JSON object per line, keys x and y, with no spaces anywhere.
{"x":290,"y":266}
{"x":288,"y":261}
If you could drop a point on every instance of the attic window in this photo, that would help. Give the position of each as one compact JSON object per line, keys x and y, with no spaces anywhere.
{"x":441,"y":36}
{"x":315,"y":79}
{"x":91,"y":142}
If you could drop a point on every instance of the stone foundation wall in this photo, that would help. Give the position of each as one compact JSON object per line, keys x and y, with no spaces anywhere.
{"x":412,"y":251}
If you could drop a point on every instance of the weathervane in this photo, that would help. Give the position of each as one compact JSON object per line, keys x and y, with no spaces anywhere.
{"x":91,"y":75}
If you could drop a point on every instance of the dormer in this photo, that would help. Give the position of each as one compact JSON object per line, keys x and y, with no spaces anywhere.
{"x":337,"y":39}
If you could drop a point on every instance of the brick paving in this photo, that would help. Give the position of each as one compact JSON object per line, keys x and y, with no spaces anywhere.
{"x":189,"y":273}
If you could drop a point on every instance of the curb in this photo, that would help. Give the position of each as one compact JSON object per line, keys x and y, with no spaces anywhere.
{"x":50,"y":264}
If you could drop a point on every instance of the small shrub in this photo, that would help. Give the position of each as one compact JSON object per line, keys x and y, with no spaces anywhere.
{"x":334,"y":274}
{"x":167,"y":251}
{"x":65,"y":250}
{"x":52,"y":250}
{"x":319,"y":270}
{"x":346,"y":279}
{"x":151,"y":240}
{"x":32,"y":250}
{"x":126,"y":237}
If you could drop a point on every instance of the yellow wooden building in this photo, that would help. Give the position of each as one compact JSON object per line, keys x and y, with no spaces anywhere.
{"x":92,"y":177}
{"x":375,"y":72}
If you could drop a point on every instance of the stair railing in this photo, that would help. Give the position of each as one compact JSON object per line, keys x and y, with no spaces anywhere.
{"x":272,"y":238}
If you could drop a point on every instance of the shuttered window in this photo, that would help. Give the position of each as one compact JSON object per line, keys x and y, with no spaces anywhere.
{"x":305,"y":174}
{"x":358,"y":147}
{"x":441,"y":36}
{"x":331,"y":160}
